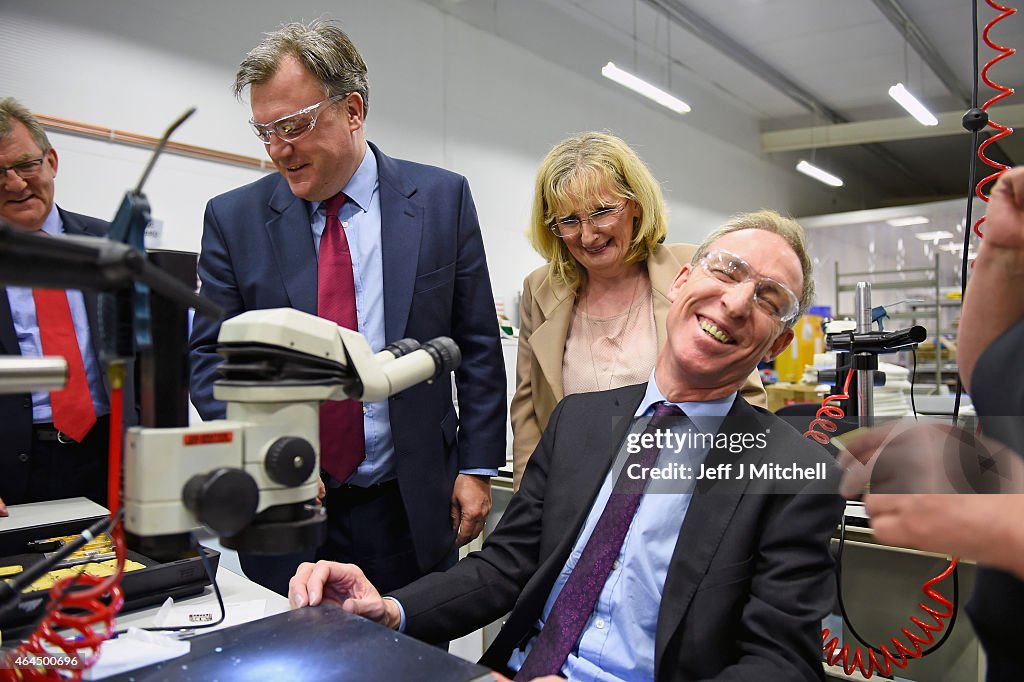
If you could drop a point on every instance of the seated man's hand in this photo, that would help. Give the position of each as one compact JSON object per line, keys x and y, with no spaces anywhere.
{"x":343,"y":584}
{"x":547,"y":678}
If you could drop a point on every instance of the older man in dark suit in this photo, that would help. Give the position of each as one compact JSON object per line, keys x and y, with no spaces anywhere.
{"x":53,"y":445}
{"x":724,"y":574}
{"x":387,"y":247}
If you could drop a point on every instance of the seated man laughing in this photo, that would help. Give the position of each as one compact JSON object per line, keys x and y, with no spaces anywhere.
{"x":613,"y":576}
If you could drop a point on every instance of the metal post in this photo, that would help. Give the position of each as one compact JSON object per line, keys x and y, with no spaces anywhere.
{"x":865,"y":377}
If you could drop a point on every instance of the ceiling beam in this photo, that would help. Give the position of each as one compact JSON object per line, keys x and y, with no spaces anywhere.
{"x":881,"y":130}
{"x":712,"y":35}
{"x":923,"y":47}
{"x":716,"y":38}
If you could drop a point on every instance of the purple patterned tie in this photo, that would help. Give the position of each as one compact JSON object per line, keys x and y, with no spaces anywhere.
{"x":342,"y":443}
{"x":575,"y":603}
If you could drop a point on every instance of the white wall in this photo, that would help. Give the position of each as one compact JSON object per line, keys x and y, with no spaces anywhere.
{"x":442,"y":92}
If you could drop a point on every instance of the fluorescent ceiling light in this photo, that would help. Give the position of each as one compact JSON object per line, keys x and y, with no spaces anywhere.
{"x":934,"y":236}
{"x":644,"y":88}
{"x":906,"y":222}
{"x":818,"y":174}
{"x":952,"y":247}
{"x":914,"y":107}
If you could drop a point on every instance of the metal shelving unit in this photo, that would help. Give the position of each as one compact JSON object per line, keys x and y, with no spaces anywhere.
{"x":911,"y":281}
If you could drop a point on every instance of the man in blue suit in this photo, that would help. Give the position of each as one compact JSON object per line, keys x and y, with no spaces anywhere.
{"x":46,"y":455}
{"x":418,"y":270}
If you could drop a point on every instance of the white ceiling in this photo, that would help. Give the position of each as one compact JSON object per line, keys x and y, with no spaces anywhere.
{"x":794,"y":64}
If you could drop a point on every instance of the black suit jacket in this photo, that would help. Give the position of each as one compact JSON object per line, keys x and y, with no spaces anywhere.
{"x":258,"y":253}
{"x":750,"y":576}
{"x":16,"y":409}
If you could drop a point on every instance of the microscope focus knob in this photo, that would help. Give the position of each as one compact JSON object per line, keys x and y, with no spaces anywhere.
{"x":224,"y":499}
{"x":290,"y":461}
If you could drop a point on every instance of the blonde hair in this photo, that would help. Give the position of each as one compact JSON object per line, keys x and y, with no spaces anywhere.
{"x":578,"y":169}
{"x":773,"y":222}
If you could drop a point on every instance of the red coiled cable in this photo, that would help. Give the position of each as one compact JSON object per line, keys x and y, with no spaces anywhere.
{"x":1004,"y":91}
{"x":883,"y":661}
{"x":826,"y":413}
{"x":77,"y":604}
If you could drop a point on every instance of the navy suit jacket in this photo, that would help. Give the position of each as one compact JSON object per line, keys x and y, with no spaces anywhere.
{"x":258,"y":253}
{"x":16,"y":409}
{"x":750,"y":576}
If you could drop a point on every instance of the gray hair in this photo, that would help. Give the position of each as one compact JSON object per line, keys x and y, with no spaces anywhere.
{"x":11,"y":108}
{"x":769,"y":221}
{"x":323,"y":48}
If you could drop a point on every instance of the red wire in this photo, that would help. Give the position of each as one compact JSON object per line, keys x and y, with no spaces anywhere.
{"x":900,"y":654}
{"x":826,"y":413}
{"x":1004,"y":91}
{"x":114,"y":460}
{"x":76,"y":603}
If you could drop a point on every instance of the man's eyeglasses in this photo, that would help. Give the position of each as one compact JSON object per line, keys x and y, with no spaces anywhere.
{"x":293,"y":126}
{"x":571,"y":226}
{"x":772,"y":296}
{"x":25,"y":169}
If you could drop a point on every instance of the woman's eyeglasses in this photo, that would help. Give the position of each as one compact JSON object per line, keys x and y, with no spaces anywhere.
{"x":601,"y":218}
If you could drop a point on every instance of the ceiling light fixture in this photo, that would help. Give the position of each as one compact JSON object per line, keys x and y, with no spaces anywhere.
{"x":818,"y":174}
{"x":640,"y":86}
{"x":908,"y":221}
{"x":912,"y":105}
{"x":934,"y":236}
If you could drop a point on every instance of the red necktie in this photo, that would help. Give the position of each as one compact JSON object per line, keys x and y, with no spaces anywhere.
{"x":342,"y":446}
{"x":73,"y":412}
{"x":571,"y":610}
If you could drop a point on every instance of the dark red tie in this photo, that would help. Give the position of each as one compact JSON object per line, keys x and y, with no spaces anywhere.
{"x":342,"y":446}
{"x":73,"y":412}
{"x":571,"y":610}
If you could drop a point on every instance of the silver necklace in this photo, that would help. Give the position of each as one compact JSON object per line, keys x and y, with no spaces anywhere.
{"x":588,"y":324}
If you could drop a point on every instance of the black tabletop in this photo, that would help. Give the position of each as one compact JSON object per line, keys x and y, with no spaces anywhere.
{"x":321,"y":643}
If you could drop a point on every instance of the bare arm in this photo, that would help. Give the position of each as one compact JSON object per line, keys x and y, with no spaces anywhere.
{"x":995,"y":298}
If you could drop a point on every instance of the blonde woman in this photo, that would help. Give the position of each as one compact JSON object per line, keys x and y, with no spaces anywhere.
{"x":593,"y":318}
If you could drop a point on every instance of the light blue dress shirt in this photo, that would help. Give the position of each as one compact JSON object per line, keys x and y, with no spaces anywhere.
{"x":360,"y":217}
{"x":617,"y":644}
{"x":26,"y":328}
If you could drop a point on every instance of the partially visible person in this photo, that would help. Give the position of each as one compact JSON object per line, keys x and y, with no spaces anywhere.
{"x":985,"y":527}
{"x":53,"y":445}
{"x":593,"y":318}
{"x":387,"y":247}
{"x":621,"y":577}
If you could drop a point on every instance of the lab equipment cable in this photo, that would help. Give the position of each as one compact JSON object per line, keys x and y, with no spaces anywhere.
{"x":83,"y":604}
{"x":826,"y":413}
{"x":211,"y":574}
{"x":882,"y":659}
{"x":975,"y":121}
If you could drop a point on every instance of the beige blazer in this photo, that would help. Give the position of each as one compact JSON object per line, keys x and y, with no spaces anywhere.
{"x":545,"y":315}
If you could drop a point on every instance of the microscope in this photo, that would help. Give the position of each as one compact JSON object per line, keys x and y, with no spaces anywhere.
{"x":253,"y":477}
